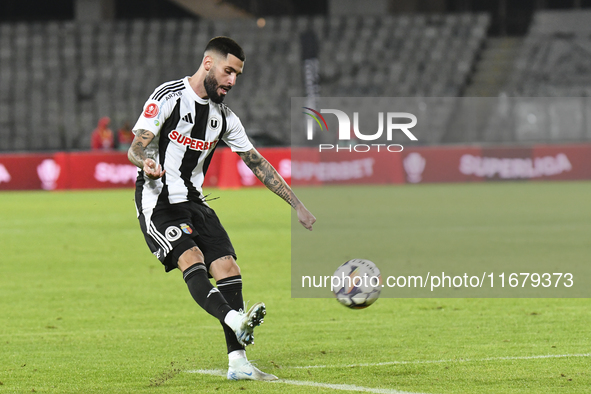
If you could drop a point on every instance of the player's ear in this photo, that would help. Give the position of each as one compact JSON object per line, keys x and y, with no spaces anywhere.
{"x":207,"y":62}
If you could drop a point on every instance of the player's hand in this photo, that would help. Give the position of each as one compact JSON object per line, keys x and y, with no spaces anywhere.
{"x":305,"y":217}
{"x":152,"y":170}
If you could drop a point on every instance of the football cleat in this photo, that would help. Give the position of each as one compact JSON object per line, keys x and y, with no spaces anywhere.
{"x":246,"y":371}
{"x":250,"y":320}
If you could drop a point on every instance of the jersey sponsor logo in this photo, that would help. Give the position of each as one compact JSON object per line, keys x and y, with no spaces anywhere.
{"x":186,"y":228}
{"x":214,"y":123}
{"x":157,"y":122}
{"x":151,"y":110}
{"x":172,"y":233}
{"x":192,"y":143}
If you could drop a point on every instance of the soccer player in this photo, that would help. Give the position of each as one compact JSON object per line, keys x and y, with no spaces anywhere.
{"x":175,"y":138}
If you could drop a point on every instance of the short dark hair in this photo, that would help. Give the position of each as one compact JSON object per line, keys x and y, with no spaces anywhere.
{"x":225,"y":46}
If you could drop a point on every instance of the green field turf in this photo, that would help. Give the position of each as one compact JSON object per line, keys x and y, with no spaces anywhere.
{"x":478,"y":230}
{"x":85,"y":308}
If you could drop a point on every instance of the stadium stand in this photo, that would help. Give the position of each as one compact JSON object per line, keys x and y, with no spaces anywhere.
{"x":556,"y":57}
{"x":547,"y":95}
{"x":59,"y":78}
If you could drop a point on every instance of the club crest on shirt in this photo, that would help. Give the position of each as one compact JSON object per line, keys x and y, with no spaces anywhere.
{"x":172,"y":233}
{"x":214,"y":123}
{"x":186,"y":228}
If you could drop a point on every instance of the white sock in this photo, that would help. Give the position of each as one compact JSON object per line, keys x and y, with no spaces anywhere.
{"x":232,"y":320}
{"x":237,"y":357}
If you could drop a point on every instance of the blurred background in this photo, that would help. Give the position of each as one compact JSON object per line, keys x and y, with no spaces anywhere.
{"x":66,"y":65}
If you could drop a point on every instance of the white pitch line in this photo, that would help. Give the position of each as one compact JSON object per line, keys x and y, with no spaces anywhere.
{"x":463,"y":360}
{"x":343,"y":387}
{"x":350,"y":387}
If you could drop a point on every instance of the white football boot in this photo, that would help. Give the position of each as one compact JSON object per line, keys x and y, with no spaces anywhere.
{"x":242,"y":369}
{"x":244,"y":323}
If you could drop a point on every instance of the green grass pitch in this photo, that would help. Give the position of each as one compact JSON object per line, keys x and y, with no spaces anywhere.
{"x":85,"y":308}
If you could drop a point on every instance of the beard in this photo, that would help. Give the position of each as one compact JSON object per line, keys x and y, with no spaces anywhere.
{"x":211,"y":87}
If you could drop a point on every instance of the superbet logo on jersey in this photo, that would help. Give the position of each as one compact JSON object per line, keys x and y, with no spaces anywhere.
{"x":346,"y":127}
{"x":151,"y":110}
{"x":192,"y":143}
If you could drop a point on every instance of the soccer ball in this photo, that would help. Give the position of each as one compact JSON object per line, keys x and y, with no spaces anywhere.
{"x":357,"y":283}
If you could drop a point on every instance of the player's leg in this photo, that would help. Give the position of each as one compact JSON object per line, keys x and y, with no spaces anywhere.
{"x":214,"y":242}
{"x":191,"y":263}
{"x":220,"y":257}
{"x":227,"y":275}
{"x":171,"y":236}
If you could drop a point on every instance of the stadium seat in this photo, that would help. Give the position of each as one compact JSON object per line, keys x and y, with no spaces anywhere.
{"x":553,"y":62}
{"x":110,"y":68}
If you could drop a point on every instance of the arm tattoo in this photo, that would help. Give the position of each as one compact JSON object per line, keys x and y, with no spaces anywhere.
{"x":269,"y":176}
{"x":137,"y":151}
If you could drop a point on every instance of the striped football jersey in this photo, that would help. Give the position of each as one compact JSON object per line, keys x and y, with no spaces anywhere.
{"x":187,"y":130}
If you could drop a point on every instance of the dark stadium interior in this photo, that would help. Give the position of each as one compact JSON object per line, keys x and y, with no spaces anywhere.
{"x":104,"y":63}
{"x":508,"y":17}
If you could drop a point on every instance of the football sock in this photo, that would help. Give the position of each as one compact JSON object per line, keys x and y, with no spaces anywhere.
{"x":231,"y":289}
{"x":207,"y":296}
{"x":237,"y":357}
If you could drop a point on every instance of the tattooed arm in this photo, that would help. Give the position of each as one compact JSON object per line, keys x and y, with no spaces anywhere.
{"x":274,"y":182}
{"x":137,"y":154}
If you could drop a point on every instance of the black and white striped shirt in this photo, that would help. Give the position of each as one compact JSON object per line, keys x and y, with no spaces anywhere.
{"x":187,"y":130}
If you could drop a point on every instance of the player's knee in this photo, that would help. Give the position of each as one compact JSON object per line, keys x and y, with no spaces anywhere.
{"x":190,"y":257}
{"x":224,"y":267}
{"x":234,"y":269}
